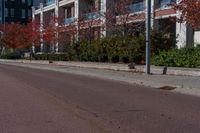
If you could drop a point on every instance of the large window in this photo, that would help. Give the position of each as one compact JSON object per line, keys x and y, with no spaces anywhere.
{"x":23,"y":13}
{"x":12,"y":12}
{"x":29,"y":2}
{"x":6,"y":12}
{"x":23,"y":1}
{"x":29,"y":13}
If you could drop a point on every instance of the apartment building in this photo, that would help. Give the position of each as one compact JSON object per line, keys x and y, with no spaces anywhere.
{"x":12,"y":11}
{"x":71,"y":10}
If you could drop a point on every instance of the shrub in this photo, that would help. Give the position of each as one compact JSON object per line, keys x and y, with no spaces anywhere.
{"x":52,"y":57}
{"x":11,"y":56}
{"x":184,"y":57}
{"x":113,"y":49}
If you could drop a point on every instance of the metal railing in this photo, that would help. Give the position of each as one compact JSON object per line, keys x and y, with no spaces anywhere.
{"x":166,"y":3}
{"x":92,"y":15}
{"x":49,"y":2}
{"x":136,"y":7}
{"x":69,"y":20}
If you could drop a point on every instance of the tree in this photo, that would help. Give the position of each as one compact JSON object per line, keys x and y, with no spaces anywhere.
{"x":58,"y":32}
{"x":125,"y":15}
{"x":15,"y":36}
{"x":33,"y":32}
{"x":189,"y":12}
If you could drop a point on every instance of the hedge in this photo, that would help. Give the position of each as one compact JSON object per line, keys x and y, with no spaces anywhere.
{"x":11,"y":56}
{"x":184,"y":57}
{"x":111,"y":49}
{"x":119,"y":48}
{"x":52,"y":57}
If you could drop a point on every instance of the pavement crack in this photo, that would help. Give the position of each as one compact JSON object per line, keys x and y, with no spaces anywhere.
{"x":88,"y":111}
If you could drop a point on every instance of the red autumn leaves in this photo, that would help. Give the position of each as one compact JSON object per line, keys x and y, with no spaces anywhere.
{"x":20,"y":36}
{"x":189,"y":12}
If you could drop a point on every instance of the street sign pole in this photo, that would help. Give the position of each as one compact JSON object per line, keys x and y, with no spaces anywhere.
{"x":148,"y":35}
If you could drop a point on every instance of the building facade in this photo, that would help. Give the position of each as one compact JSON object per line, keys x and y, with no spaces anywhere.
{"x":13,"y":11}
{"x":70,"y":10}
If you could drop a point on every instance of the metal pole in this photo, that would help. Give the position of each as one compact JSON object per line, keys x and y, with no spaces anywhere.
{"x":148,"y":35}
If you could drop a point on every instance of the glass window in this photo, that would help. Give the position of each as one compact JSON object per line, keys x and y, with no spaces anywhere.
{"x":6,"y":12}
{"x":29,"y":2}
{"x":29,"y":13}
{"x":12,"y":12}
{"x":23,"y":13}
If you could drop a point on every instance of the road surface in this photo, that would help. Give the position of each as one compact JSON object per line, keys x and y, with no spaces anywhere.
{"x":41,"y":101}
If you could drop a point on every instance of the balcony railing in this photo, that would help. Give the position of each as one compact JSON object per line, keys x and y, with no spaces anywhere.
{"x":136,"y":7}
{"x":49,"y":2}
{"x":70,"y":20}
{"x":92,"y":15}
{"x":37,"y":7}
{"x":166,"y":3}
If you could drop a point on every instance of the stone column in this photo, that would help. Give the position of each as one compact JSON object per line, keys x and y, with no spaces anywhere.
{"x":33,"y":19}
{"x":181,"y":33}
{"x":41,"y":28}
{"x":56,"y":25}
{"x":197,"y":38}
{"x":103,"y":9}
{"x":153,"y":2}
{"x":77,"y":15}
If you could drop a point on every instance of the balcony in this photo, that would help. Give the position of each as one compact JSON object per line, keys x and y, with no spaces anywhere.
{"x":68,"y":21}
{"x":37,"y":7}
{"x":92,"y":15}
{"x":166,"y":3}
{"x":49,"y":2}
{"x":136,"y":7}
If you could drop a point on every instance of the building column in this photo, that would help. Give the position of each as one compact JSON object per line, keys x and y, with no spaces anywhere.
{"x":41,"y":28}
{"x":103,"y":7}
{"x":76,"y":15}
{"x":56,"y":25}
{"x":197,"y":38}
{"x":33,"y":20}
{"x":184,"y":33}
{"x":181,"y":31}
{"x":152,"y":13}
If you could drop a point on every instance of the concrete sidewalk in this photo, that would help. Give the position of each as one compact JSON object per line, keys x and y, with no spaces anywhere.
{"x":183,"y":84}
{"x":116,"y":67}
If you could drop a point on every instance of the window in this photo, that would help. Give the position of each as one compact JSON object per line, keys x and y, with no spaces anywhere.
{"x":12,"y":12}
{"x":23,"y":1}
{"x":6,"y":12}
{"x":29,"y":13}
{"x":23,"y":13}
{"x":29,"y":2}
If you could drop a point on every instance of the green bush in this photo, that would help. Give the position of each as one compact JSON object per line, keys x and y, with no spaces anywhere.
{"x":118,"y":48}
{"x":11,"y":56}
{"x":110,"y":49}
{"x":52,"y":57}
{"x":184,"y":57}
{"x":113,"y":49}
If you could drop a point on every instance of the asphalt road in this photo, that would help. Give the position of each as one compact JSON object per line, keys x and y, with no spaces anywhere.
{"x":41,"y":101}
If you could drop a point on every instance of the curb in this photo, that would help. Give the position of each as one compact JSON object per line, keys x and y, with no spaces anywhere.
{"x":116,"y":66}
